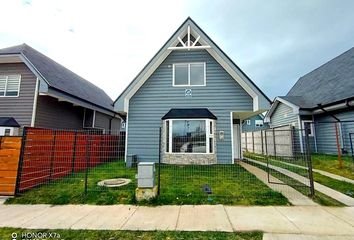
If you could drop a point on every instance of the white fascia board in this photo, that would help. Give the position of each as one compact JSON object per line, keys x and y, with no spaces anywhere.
{"x":295,"y":108}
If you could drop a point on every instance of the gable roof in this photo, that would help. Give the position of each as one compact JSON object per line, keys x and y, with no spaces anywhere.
{"x":329,"y":83}
{"x":259,"y":97}
{"x":8,"y":122}
{"x":61,"y":78}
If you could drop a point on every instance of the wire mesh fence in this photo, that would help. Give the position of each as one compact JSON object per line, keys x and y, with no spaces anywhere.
{"x":65,"y":164}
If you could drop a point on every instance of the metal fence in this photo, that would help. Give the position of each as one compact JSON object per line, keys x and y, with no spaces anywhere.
{"x":61,"y":163}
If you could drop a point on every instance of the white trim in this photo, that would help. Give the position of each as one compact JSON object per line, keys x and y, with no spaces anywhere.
{"x":163,"y":53}
{"x":84,"y":118}
{"x":94,"y":118}
{"x":232,"y":138}
{"x":303,"y":127}
{"x":34,"y":108}
{"x":207,"y":135}
{"x":314,"y":134}
{"x":300,"y":133}
{"x":126,"y":138}
{"x":296,"y":109}
{"x":241,"y":152}
{"x":189,"y":74}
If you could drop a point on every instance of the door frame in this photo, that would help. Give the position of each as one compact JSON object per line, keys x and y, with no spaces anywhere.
{"x":232,"y":138}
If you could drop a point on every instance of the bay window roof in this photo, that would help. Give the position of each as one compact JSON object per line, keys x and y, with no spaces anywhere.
{"x":188,"y":113}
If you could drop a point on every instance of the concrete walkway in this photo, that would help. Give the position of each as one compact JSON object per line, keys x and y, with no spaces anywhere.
{"x":310,"y":220}
{"x":340,"y":197}
{"x":295,"y":197}
{"x":327,"y":174}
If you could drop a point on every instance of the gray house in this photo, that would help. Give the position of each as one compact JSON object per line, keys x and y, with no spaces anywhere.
{"x":324,"y":100}
{"x":197,"y":95}
{"x":38,"y":92}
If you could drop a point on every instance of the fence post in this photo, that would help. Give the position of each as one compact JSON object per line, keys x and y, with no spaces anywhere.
{"x":274,"y":146}
{"x":338,"y":146}
{"x":88,"y":155}
{"x":52,"y":157}
{"x":351,"y":145}
{"x":74,"y":153}
{"x":246,"y":141}
{"x":309,"y":161}
{"x":262,"y":142}
{"x":20,"y":164}
{"x":159,"y":176}
{"x":253,"y":141}
{"x":266,"y":142}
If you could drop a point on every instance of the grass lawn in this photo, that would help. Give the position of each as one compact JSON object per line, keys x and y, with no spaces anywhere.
{"x":340,"y":186}
{"x":330,"y":164}
{"x":5,"y":233}
{"x":320,"y":198}
{"x":230,"y":185}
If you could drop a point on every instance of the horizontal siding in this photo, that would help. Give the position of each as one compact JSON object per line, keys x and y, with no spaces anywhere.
{"x":102,"y":120}
{"x":58,"y":115}
{"x":20,"y":107}
{"x":283,"y":115}
{"x":156,"y":97}
{"x":326,"y":133}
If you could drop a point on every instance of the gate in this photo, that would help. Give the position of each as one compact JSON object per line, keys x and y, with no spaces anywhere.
{"x":70,"y":166}
{"x":284,"y":153}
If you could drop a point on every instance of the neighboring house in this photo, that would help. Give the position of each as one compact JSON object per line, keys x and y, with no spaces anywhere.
{"x":319,"y":99}
{"x":38,"y":92}
{"x":254,"y":123}
{"x":9,"y":126}
{"x":198,"y":97}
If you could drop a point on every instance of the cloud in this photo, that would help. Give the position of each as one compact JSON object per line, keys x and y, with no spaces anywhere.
{"x":109,"y":42}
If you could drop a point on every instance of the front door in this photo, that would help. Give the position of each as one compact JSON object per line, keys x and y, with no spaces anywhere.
{"x":237,"y":141}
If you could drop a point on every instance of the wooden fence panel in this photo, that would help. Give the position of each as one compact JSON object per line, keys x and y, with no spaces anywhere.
{"x":10,"y":148}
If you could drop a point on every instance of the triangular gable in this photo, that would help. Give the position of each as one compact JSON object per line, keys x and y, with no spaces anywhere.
{"x":189,"y":36}
{"x":275,"y":104}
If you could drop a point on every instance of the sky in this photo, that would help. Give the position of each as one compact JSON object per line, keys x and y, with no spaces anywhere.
{"x":108,"y":42}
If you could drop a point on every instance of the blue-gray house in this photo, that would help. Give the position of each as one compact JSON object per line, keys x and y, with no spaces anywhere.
{"x":254,"y":123}
{"x":324,"y":100}
{"x":197,"y":95}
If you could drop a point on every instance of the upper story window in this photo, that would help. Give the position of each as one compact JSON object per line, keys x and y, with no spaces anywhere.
{"x":10,"y":85}
{"x":259,"y":123}
{"x":189,"y":74}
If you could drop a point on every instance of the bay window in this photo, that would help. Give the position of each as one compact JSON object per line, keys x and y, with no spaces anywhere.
{"x":189,"y":136}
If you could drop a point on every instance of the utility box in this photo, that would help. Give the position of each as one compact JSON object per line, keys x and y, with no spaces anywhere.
{"x":146,"y":175}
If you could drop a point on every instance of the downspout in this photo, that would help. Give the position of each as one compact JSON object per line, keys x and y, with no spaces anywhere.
{"x":34,"y":108}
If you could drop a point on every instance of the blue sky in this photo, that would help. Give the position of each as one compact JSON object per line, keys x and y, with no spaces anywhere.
{"x":109,"y":42}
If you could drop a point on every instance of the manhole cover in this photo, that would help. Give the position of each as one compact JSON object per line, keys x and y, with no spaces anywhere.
{"x":116,"y":182}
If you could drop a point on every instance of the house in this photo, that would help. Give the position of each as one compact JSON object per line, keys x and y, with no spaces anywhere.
{"x":324,"y":101}
{"x":39,"y":92}
{"x":197,"y":95}
{"x":254,"y":123}
{"x":9,"y":126}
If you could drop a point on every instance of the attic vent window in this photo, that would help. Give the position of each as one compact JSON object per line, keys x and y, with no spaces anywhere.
{"x":10,"y":85}
{"x":189,"y":40}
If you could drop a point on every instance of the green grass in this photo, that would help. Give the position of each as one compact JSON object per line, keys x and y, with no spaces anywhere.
{"x":5,"y":233}
{"x":319,"y":197}
{"x":340,"y":186}
{"x":230,"y":184}
{"x":330,"y":164}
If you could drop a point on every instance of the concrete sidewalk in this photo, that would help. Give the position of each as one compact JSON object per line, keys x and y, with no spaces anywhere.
{"x":340,"y":197}
{"x":311,"y":220}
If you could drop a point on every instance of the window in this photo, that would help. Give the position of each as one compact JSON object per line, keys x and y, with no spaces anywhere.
{"x":7,"y":132}
{"x":307,"y":124}
{"x":189,"y":136}
{"x":189,"y":74}
{"x":258,"y":123}
{"x":248,"y":122}
{"x":9,"y":85}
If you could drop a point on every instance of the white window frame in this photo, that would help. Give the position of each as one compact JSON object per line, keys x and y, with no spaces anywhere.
{"x":208,"y":135}
{"x":257,"y":124}
{"x":189,"y":74}
{"x":19,"y":84}
{"x":311,"y":127}
{"x":248,"y":122}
